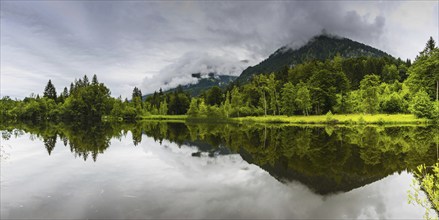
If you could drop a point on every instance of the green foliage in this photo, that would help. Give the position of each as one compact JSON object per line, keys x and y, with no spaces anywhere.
{"x":163,"y":108}
{"x":202,"y":109}
{"x":288,"y":99}
{"x":227,"y":106}
{"x":321,"y":47}
{"x":421,"y":106}
{"x":390,"y":73}
{"x":214,"y":96}
{"x":393,"y":104}
{"x":424,"y":74}
{"x":193,"y":108}
{"x":303,"y":98}
{"x":236,"y":101}
{"x":325,"y":85}
{"x":344,"y":83}
{"x":88,"y":102}
{"x":369,"y":93}
{"x":427,"y":180}
{"x":50,"y":91}
{"x":329,"y":117}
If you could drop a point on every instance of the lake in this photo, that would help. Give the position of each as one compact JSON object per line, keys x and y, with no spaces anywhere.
{"x":178,"y":170}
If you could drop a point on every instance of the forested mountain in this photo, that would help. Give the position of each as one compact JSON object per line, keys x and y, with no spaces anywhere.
{"x":320,"y":47}
{"x":370,"y":83}
{"x":203,"y":84}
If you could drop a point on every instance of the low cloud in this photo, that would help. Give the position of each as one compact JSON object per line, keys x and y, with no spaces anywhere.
{"x":180,"y":71}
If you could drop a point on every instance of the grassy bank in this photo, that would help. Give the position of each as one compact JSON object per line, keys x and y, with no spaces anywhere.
{"x":337,"y":119}
{"x":180,"y":118}
{"x":312,"y":119}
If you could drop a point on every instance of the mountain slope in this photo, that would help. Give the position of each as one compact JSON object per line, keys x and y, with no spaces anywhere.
{"x":204,"y":84}
{"x":321,"y":47}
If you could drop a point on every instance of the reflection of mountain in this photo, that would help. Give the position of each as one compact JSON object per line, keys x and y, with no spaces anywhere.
{"x":326,"y":159}
{"x":347,"y":159}
{"x":319,"y":183}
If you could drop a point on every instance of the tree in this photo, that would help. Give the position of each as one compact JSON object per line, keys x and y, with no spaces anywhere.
{"x":202,"y":112}
{"x":65,"y":92}
{"x":163,"y":110}
{"x":303,"y":98}
{"x":288,"y":99}
{"x":227,"y":105}
{"x":369,"y":88}
{"x":324,"y":85}
{"x":236,"y":100}
{"x":88,"y":102}
{"x":86,"y":81}
{"x":193,"y":108}
{"x":271,"y":87}
{"x":390,"y":73}
{"x":424,"y":73}
{"x":393,"y":103}
{"x":429,"y":47}
{"x":178,"y":103}
{"x":50,"y":91}
{"x":136,"y":93}
{"x":214,"y":96}
{"x":94,"y":81}
{"x":421,"y":106}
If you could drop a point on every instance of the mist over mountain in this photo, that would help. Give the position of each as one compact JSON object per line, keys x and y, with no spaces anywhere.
{"x":320,"y":47}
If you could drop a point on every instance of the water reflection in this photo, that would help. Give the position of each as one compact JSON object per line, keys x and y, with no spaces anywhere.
{"x":163,"y":180}
{"x":326,"y":159}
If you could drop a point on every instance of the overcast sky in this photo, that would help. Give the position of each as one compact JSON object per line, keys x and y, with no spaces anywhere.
{"x":159,"y":44}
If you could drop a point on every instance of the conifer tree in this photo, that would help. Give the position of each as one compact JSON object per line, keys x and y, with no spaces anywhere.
{"x":50,"y":91}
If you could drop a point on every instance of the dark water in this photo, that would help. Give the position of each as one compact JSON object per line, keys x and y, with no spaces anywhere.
{"x":176,"y":170}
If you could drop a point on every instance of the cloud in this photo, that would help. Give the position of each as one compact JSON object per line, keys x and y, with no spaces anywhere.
{"x":180,"y":71}
{"x":125,"y":41}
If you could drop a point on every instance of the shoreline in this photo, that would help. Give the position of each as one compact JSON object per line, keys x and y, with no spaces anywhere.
{"x":348,"y":119}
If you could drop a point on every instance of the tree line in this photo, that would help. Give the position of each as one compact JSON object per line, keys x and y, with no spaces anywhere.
{"x":340,"y":85}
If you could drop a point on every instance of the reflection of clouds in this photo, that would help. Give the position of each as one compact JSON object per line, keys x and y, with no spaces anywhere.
{"x":153,"y":181}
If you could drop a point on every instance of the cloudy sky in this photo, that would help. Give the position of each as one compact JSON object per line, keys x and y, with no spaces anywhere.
{"x":152,"y":44}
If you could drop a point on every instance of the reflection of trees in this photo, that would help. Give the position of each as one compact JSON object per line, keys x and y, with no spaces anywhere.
{"x":84,"y":140}
{"x":49,"y":143}
{"x":325,"y":159}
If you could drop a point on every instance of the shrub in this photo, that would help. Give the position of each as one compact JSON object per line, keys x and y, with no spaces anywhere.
{"x":421,"y":106}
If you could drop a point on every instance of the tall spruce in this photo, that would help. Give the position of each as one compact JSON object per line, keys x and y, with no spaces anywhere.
{"x":50,"y":91}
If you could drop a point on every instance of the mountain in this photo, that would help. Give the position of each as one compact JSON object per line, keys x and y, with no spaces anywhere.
{"x":204,"y":84}
{"x":320,"y":47}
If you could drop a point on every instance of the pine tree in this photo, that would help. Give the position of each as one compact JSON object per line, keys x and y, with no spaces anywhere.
{"x":65,"y":92}
{"x":94,"y":81}
{"x":49,"y":91}
{"x":136,"y":93}
{"x":86,"y":82}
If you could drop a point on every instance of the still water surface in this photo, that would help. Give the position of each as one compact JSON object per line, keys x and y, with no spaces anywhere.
{"x":188,"y":177}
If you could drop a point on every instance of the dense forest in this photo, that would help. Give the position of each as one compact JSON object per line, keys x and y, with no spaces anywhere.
{"x":342,"y":85}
